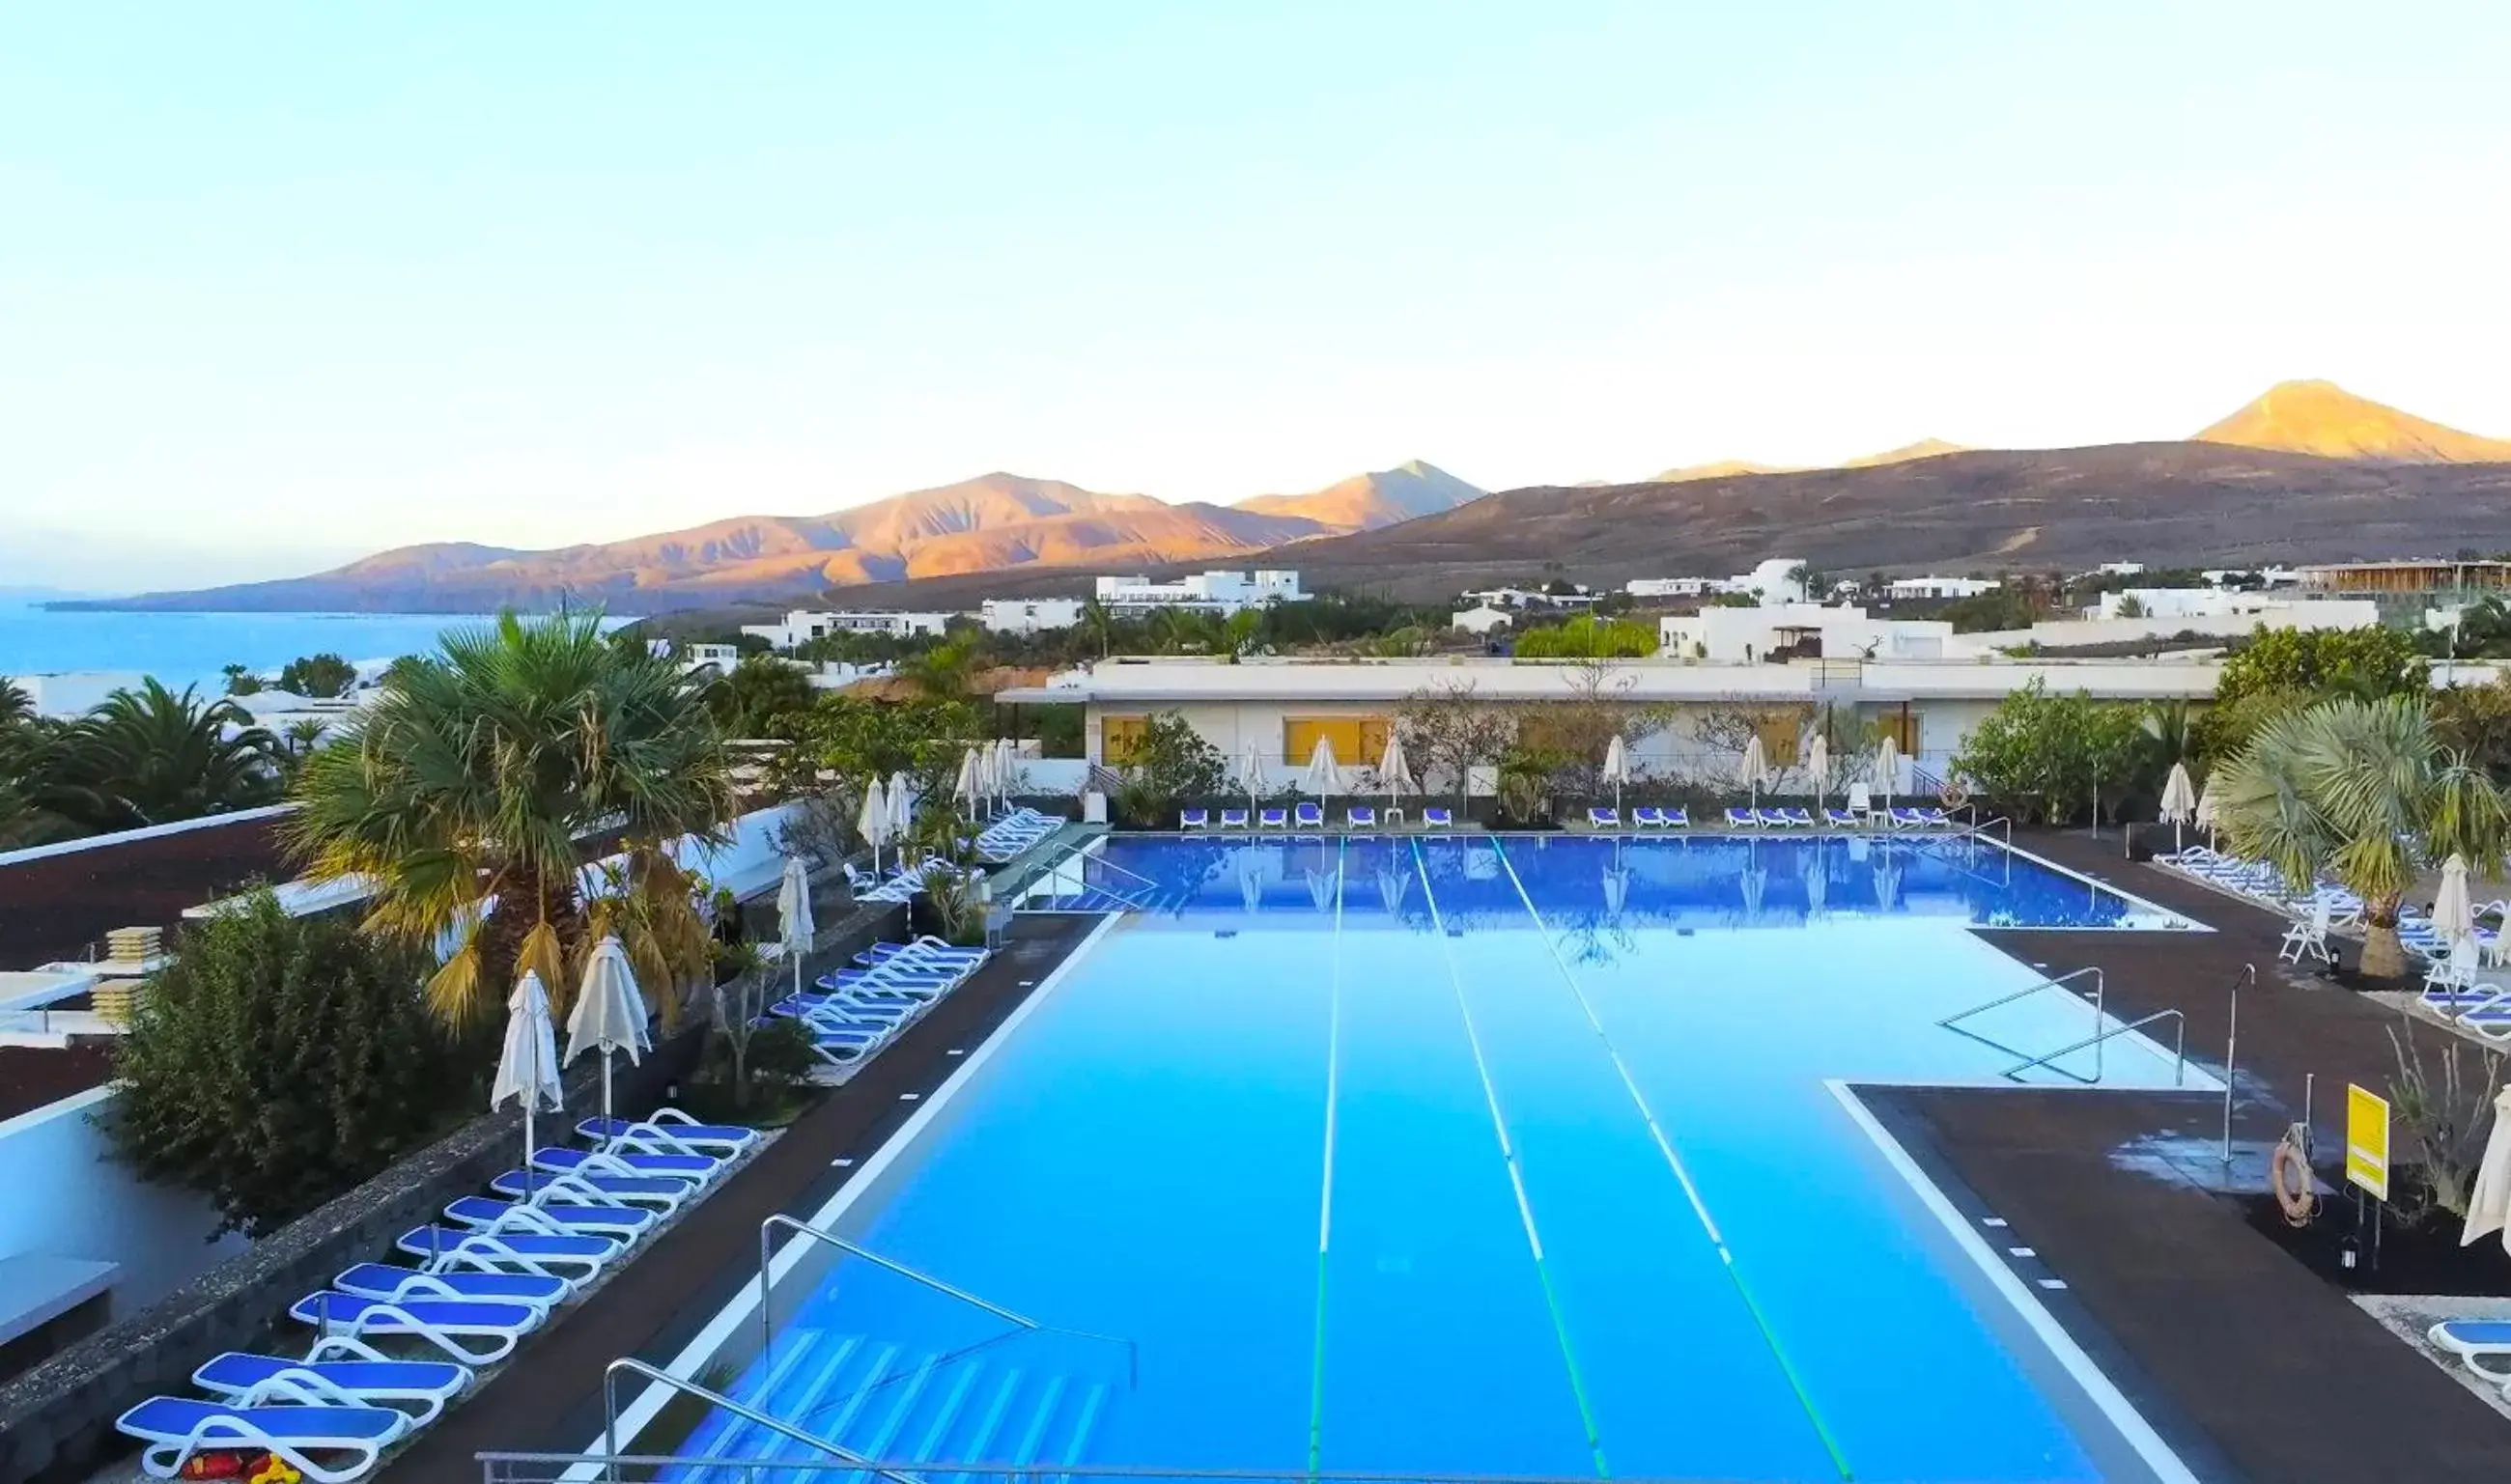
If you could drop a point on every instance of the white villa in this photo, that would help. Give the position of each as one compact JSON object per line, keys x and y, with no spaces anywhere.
{"x":1029,"y":615}
{"x":1215,"y":593}
{"x":1779,"y":580}
{"x":803,"y":624}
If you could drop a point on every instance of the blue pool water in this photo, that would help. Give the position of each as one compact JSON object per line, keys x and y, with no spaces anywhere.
{"x":1490,"y":1154}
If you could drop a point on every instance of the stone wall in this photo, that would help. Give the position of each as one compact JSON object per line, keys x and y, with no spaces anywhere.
{"x":57,"y":1420}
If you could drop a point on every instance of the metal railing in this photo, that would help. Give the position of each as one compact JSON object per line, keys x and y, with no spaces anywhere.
{"x":2178,"y":1051}
{"x":804,"y":1229}
{"x":2247,"y":978}
{"x":1069,"y":850}
{"x":2101,"y":990}
{"x":611,"y":1470}
{"x":514,"y":1467}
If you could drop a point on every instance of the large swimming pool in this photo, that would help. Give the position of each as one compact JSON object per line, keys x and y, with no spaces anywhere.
{"x":1481,"y":1155}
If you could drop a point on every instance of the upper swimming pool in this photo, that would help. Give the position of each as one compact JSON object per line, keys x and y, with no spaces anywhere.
{"x":1486,"y":1155}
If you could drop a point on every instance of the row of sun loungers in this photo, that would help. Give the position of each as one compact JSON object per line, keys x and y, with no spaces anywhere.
{"x":1307,"y":815}
{"x":1016,"y":833}
{"x":856,"y":1011}
{"x":394,"y":1344}
{"x":2329,"y":908}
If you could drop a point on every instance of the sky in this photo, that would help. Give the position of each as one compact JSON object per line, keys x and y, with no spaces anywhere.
{"x":281,"y":284}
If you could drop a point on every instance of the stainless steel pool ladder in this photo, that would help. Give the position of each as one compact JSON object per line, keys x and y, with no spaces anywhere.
{"x":767,"y":1328}
{"x":2101,"y":988}
{"x":2178,"y":1051}
{"x":717,"y":1399}
{"x":1137,"y":897}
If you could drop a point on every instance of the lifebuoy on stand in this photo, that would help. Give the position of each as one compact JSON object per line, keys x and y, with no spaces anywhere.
{"x":2296,"y":1190}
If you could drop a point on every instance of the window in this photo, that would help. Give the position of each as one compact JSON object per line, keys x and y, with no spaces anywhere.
{"x":1355,"y":740}
{"x":1120,"y":737}
{"x":1778,"y":733}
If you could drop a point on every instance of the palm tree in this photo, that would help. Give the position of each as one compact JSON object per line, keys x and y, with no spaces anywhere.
{"x":1099,"y":625}
{"x":16,"y":707}
{"x":466,"y":792}
{"x":2364,"y":790}
{"x":153,"y":756}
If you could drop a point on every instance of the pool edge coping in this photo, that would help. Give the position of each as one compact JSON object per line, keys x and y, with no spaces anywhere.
{"x":2139,"y":1435}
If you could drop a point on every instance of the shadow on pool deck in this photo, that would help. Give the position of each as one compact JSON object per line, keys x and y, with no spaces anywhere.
{"x":549,"y":1397}
{"x":2244,"y":1360}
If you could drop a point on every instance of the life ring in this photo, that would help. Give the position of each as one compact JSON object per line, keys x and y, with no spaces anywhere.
{"x":2296,"y":1190}
{"x":1955,"y":796}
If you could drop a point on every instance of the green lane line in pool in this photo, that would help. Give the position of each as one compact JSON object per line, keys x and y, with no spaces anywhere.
{"x":1516,"y":1180}
{"x":1681,"y":1174}
{"x":1325,"y":1197}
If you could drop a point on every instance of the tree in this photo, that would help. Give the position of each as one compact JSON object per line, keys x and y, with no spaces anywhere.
{"x":152,"y":756}
{"x":2045,"y":758}
{"x":1099,"y":625}
{"x":1170,"y":762}
{"x":856,"y":739}
{"x":322,"y":676}
{"x":239,"y":680}
{"x":1585,"y":637}
{"x":464,"y":791}
{"x":2365,"y":791}
{"x":762,"y":696}
{"x":2369,"y":663}
{"x":1992,"y":611}
{"x":2476,"y":720}
{"x":279,"y":1061}
{"x":1448,"y":732}
{"x":2131,"y":607}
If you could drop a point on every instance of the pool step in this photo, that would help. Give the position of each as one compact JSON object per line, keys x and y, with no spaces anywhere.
{"x":885,"y":1401}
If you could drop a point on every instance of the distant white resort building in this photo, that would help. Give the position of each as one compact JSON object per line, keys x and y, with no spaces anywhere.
{"x":1514,"y":598}
{"x":1799,"y":631}
{"x":803,"y":624}
{"x":1779,"y":580}
{"x":1481,"y":618}
{"x":1029,"y":615}
{"x":1939,"y":586}
{"x":1215,"y":593}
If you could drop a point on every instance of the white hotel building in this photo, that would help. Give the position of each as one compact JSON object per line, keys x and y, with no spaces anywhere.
{"x":1281,"y":709}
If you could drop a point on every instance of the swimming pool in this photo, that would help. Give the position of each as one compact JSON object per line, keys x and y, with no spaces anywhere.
{"x":1474,"y":1155}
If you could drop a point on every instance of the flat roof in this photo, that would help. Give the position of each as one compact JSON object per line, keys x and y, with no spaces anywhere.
{"x":1660,"y":681}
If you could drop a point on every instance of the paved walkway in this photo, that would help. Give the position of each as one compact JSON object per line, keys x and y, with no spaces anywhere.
{"x":2249,"y":1364}
{"x":549,"y":1396}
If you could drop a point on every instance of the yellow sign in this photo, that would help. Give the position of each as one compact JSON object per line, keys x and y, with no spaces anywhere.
{"x":2367,"y":1140}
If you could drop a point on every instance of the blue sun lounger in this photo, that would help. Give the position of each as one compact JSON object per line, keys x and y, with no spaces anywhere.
{"x":1194,"y":819}
{"x":1360,"y":817}
{"x":1233,"y":819}
{"x":1600,"y":818}
{"x":422,"y":1388}
{"x":2475,"y":1342}
{"x":1739,"y":818}
{"x":599,"y":1220}
{"x":472,"y":1331}
{"x":697,"y":1169}
{"x":177,"y":1427}
{"x":666,"y":1127}
{"x":661,"y":1192}
{"x":511,"y":1250}
{"x":1648,"y":817}
{"x":382,"y":1280}
{"x":1273,"y":819}
{"x":1438,"y":817}
{"x":1309,"y":816}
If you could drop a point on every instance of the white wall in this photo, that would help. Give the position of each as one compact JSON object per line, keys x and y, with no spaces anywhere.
{"x":75,"y":1199}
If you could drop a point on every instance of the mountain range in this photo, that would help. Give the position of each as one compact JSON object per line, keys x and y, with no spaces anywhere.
{"x":993,"y":523}
{"x":2305,"y":471}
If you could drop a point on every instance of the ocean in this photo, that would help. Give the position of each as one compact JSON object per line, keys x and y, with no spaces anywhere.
{"x":193,"y":648}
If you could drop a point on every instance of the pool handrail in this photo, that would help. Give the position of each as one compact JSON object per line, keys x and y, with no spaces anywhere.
{"x":2101,"y":987}
{"x":2178,"y":1051}
{"x":801,"y":1228}
{"x":1079,"y":849}
{"x":714,"y":1398}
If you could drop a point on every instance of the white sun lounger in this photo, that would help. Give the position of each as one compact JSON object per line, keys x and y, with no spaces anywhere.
{"x":2475,"y":1342}
{"x":561,"y":1216}
{"x":472,"y":1331}
{"x":513,"y":1249}
{"x":697,"y":1169}
{"x":422,"y":1388}
{"x":671,"y":1131}
{"x":383,"y":1280}
{"x":177,"y":1427}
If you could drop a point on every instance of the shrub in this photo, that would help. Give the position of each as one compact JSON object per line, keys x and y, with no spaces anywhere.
{"x":2366,"y":663}
{"x":2042,"y":758}
{"x":279,"y":1062}
{"x":321,"y":675}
